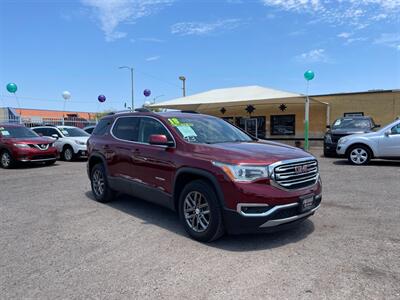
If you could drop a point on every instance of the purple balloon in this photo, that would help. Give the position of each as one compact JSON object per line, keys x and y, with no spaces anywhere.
{"x":147,"y":92}
{"x":101,"y":98}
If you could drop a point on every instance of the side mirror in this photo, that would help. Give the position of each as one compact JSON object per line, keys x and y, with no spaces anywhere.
{"x":387,"y":133}
{"x":55,"y":136}
{"x":160,"y":140}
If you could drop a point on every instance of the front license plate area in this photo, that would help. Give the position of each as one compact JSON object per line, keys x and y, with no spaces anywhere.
{"x":307,"y":203}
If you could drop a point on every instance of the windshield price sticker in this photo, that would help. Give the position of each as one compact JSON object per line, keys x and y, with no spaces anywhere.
{"x":64,"y":132}
{"x":176,"y":122}
{"x":186,"y":131}
{"x":4,"y":132}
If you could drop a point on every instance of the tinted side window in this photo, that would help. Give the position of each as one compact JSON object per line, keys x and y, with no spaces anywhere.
{"x":41,"y":131}
{"x":150,"y":126}
{"x":396,"y":129}
{"x":127,"y":128}
{"x":51,"y":131}
{"x":102,"y":127}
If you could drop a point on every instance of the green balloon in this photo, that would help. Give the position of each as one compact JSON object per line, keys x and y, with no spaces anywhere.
{"x":12,"y":87}
{"x":309,"y":75}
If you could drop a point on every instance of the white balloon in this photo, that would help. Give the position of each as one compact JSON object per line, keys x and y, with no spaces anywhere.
{"x":66,"y":95}
{"x":147,"y":103}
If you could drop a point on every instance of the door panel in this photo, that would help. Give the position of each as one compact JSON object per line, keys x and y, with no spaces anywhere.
{"x":389,"y":146}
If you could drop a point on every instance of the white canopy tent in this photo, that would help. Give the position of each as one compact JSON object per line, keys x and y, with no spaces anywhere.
{"x":236,"y":96}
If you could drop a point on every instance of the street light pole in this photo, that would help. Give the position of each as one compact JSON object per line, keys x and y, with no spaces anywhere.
{"x":183,"y":78}
{"x":132,"y":90}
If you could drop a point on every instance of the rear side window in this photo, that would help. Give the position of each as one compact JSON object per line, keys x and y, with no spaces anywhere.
{"x":127,"y":128}
{"x":41,"y":131}
{"x":102,"y":127}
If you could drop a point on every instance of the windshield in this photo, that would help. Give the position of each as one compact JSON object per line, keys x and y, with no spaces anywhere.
{"x":352,"y":123}
{"x":73,"y":132}
{"x":17,"y":132}
{"x":207,"y":130}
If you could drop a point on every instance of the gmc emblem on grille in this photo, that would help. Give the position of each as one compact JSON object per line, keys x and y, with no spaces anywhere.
{"x":300,"y":169}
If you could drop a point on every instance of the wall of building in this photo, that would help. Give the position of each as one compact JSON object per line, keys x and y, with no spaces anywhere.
{"x":384,"y":107}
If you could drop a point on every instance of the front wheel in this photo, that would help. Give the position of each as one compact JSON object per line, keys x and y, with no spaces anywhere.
{"x":6,"y":160}
{"x":68,"y":154}
{"x":200,"y":212}
{"x":359,"y":155}
{"x":100,"y":188}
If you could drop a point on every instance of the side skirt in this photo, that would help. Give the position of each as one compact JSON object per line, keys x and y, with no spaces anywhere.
{"x":142,"y":191}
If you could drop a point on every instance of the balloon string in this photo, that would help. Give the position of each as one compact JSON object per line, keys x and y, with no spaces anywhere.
{"x":19,"y":106}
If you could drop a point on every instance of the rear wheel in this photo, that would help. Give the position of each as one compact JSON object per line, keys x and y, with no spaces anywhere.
{"x":359,"y":155}
{"x":100,"y":188}
{"x":6,"y":160}
{"x":68,"y":154}
{"x":200,"y":212}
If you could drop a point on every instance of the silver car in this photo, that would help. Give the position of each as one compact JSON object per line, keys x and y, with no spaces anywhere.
{"x":360,"y":148}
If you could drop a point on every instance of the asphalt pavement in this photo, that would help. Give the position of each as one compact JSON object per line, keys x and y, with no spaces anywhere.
{"x":56,"y":242}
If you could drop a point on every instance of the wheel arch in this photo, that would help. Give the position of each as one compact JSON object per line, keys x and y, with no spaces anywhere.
{"x":185,"y":175}
{"x":95,"y":159}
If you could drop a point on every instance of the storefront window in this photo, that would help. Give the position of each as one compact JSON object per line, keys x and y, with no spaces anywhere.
{"x":283,"y":125}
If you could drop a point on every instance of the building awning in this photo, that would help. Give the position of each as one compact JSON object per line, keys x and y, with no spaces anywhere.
{"x":229,"y":97}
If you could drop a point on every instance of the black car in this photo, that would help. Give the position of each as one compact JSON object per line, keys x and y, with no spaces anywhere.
{"x":346,"y":126}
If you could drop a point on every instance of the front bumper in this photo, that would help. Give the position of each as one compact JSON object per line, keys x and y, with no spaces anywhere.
{"x":35,"y":155}
{"x":330,"y":148}
{"x":341,"y":150}
{"x":276,"y":218}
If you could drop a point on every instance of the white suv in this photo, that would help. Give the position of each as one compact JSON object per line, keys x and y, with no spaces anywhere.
{"x":70,"y":141}
{"x":360,"y":148}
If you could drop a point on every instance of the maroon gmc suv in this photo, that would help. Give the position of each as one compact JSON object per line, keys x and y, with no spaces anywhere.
{"x":217,"y":177}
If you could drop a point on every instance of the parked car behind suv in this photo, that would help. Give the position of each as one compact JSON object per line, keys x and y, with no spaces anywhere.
{"x":218,"y":178}
{"x":346,"y":126}
{"x":20,"y":144}
{"x":70,"y":140}
{"x":360,"y":148}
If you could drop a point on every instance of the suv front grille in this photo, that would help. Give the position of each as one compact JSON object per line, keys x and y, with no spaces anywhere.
{"x":296,"y":175}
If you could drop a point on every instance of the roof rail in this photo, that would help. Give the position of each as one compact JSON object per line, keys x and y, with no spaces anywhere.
{"x":142,"y":109}
{"x":189,"y":112}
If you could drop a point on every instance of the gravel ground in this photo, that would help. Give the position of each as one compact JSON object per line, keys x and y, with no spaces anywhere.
{"x":57,"y":242}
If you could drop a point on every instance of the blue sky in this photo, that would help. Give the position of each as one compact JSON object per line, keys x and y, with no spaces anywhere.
{"x":47,"y":47}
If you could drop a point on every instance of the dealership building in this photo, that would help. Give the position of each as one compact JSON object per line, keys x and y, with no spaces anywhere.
{"x":279,"y":115}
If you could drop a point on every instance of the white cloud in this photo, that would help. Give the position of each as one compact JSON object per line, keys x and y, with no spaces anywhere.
{"x":344,"y":35}
{"x":111,"y":13}
{"x":152,"y":40}
{"x":203,"y":28}
{"x":313,"y":56}
{"x":358,"y":13}
{"x":389,"y":39}
{"x":153,"y":58}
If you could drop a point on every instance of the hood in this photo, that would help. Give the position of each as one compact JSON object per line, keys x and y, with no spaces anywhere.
{"x":347,"y":131}
{"x":261,"y":152}
{"x":33,"y":140}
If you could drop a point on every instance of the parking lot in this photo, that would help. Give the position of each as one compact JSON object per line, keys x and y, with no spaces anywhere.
{"x":57,"y":242}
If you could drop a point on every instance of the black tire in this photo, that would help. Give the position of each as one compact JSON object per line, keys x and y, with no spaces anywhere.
{"x":6,"y":160}
{"x":214,"y":228}
{"x":104,"y":194}
{"x":68,"y":153}
{"x":50,"y":163}
{"x":359,"y":155}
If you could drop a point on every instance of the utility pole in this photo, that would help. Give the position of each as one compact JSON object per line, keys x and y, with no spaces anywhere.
{"x":132,"y":90}
{"x":183,"y":78}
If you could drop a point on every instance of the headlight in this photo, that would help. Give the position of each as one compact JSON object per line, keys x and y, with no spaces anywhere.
{"x":343,"y":140}
{"x":244,"y":173}
{"x":328,"y":138}
{"x":80,"y":142}
{"x":21,"y":145}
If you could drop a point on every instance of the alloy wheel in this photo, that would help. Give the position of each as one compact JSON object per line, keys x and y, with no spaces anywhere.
{"x":68,"y":154}
{"x":98,"y":183}
{"x":359,"y":156}
{"x":196,"y":211}
{"x":5,"y":159}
